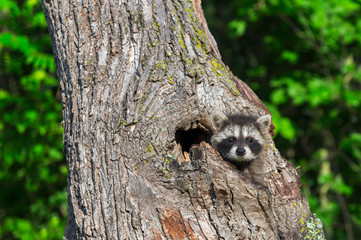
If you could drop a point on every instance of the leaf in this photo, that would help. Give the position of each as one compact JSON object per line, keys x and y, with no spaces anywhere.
{"x":287,"y":130}
{"x":297,"y":92}
{"x":321,"y":92}
{"x":289,"y":56}
{"x":353,"y":98}
{"x":352,"y":144}
{"x":238,"y":27}
{"x":339,"y":186}
{"x":9,"y":7}
{"x":283,"y":125}
{"x":279,"y":96}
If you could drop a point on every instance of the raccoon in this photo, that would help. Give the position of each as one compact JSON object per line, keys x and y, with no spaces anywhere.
{"x":239,"y":138}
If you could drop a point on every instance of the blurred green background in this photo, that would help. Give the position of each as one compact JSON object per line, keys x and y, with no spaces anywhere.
{"x":33,"y":199}
{"x":301,"y":57}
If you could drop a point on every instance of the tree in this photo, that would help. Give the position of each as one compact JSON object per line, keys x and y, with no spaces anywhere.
{"x":138,"y":82}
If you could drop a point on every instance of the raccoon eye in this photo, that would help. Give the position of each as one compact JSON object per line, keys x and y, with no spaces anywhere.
{"x":250,"y":140}
{"x":231,"y":139}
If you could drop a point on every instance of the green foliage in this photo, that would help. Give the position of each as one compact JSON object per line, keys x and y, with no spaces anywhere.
{"x":33,"y":203}
{"x":302,"y":58}
{"x":237,"y":28}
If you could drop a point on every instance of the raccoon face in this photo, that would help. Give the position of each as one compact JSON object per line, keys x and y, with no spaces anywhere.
{"x":238,"y":144}
{"x":240,"y":138}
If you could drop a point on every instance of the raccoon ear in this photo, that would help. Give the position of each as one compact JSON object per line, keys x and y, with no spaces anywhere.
{"x":264,"y":121}
{"x":217,"y":118}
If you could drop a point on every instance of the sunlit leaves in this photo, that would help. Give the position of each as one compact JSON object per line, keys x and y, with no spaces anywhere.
{"x":279,"y":96}
{"x":9,"y":6}
{"x":38,"y":80}
{"x":22,"y":229}
{"x":237,"y":28}
{"x":32,"y":168}
{"x":289,"y":56}
{"x":353,"y":98}
{"x":23,"y":44}
{"x":283,"y":125}
{"x":330,"y":85}
{"x":321,"y":91}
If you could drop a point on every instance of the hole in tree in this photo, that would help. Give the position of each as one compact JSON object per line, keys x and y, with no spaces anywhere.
{"x":187,"y":138}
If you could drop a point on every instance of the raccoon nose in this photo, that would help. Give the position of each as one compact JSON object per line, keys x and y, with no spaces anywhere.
{"x":240,"y":151}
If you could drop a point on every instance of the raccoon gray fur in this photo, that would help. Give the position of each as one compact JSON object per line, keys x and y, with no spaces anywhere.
{"x":239,"y":138}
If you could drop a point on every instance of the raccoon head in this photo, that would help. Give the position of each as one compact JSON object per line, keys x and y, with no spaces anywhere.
{"x":239,"y":138}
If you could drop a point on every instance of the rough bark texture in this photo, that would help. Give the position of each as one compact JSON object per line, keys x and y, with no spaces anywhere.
{"x":138,"y":81}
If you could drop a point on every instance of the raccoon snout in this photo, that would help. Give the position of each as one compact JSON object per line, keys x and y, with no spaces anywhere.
{"x":240,"y":151}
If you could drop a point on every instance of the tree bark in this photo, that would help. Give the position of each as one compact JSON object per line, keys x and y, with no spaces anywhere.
{"x":138,"y":82}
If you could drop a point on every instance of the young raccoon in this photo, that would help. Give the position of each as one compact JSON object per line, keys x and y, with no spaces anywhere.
{"x":239,"y":138}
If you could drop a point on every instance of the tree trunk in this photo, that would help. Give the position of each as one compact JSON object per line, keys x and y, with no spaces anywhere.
{"x":138,"y":82}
